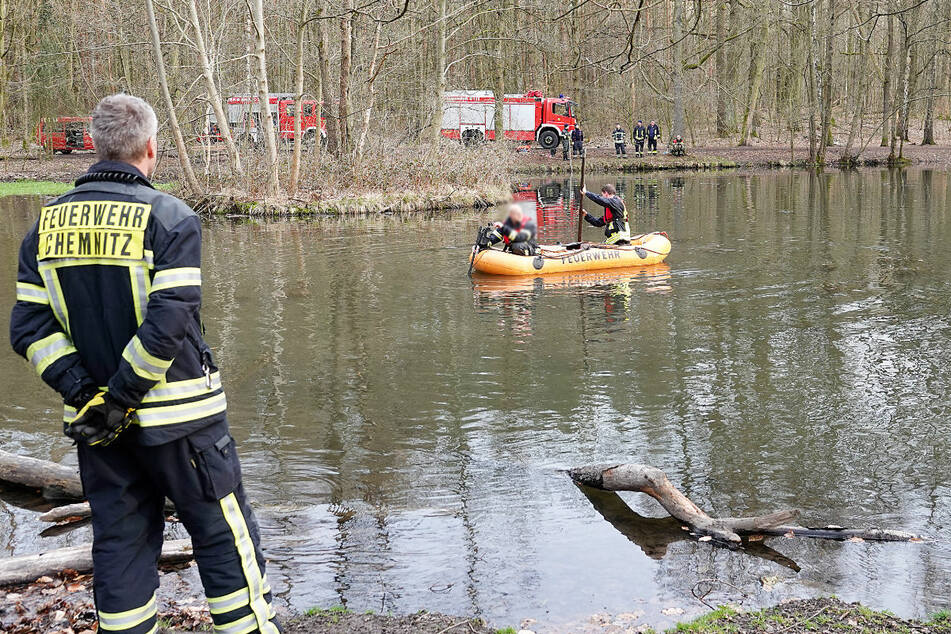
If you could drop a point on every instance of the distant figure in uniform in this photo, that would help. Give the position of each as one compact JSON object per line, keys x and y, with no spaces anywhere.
{"x":577,"y":142}
{"x":108,"y":295}
{"x":614,"y":220}
{"x":653,"y":133}
{"x":565,"y":146}
{"x":517,"y":233}
{"x":677,"y":146}
{"x":639,"y":134}
{"x":620,"y":148}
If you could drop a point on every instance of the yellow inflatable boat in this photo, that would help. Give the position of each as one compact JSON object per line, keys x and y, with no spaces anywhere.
{"x":644,"y":250}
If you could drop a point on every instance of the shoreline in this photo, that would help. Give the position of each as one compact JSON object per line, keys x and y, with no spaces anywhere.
{"x":49,"y":176}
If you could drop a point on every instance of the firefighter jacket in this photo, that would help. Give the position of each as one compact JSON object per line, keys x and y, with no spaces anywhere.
{"x":614,"y":219}
{"x":577,"y":136}
{"x":653,"y":131}
{"x":619,"y":135}
{"x":639,"y":133}
{"x":108,"y":294}
{"x":510,"y":233}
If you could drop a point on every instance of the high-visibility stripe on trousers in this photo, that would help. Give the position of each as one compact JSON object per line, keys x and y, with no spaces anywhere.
{"x":127,"y":483}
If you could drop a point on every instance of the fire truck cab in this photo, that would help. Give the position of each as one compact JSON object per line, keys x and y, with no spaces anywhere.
{"x":469,"y":116}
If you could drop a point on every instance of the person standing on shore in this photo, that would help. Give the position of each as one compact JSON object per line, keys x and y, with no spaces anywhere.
{"x":620,"y":148}
{"x":107,"y":311}
{"x":653,"y":133}
{"x":577,"y":142}
{"x":639,"y":134}
{"x":565,"y":146}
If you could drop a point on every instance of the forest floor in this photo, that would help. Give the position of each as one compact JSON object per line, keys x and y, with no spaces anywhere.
{"x":64,"y":605}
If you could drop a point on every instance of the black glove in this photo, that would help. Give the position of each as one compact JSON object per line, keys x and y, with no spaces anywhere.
{"x":482,"y":242}
{"x":100,"y":421}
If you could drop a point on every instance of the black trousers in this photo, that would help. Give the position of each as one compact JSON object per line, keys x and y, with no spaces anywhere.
{"x":127,"y":484}
{"x":577,"y":148}
{"x":522,"y":248}
{"x":652,"y":144}
{"x":619,"y":149}
{"x":639,"y":147}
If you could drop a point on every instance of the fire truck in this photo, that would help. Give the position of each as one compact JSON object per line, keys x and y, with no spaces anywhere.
{"x":65,"y":134}
{"x":244,"y":117}
{"x":469,"y":116}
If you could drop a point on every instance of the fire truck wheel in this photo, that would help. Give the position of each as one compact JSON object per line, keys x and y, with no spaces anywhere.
{"x":66,"y":151}
{"x":471,"y":137}
{"x":548,"y":139}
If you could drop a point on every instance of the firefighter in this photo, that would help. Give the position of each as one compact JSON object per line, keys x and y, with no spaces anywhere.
{"x":577,"y":142}
{"x":620,"y":148}
{"x":614,"y":219}
{"x":516,"y":232}
{"x":653,"y":133}
{"x":107,"y":311}
{"x":565,"y":146}
{"x":638,"y":135}
{"x":677,"y":146}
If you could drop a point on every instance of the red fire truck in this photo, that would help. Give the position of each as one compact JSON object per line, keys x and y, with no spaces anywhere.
{"x":469,"y":115}
{"x":244,"y":117}
{"x":65,"y":134}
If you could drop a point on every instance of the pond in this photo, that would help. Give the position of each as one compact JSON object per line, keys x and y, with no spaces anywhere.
{"x":404,"y":428}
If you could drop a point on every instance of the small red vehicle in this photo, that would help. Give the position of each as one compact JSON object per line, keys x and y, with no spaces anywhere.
{"x":65,"y":134}
{"x":469,"y":116}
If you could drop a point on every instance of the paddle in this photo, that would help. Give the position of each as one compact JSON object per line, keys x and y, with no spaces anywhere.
{"x":581,"y":202}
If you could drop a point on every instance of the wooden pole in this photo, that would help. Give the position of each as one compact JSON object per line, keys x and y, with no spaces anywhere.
{"x":581,"y":199}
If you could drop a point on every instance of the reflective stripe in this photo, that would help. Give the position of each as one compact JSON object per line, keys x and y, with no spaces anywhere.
{"x":69,"y":413}
{"x":43,"y":353}
{"x":143,"y":363}
{"x":241,"y":626}
{"x":249,"y":564}
{"x":178,"y":390}
{"x":118,"y":621}
{"x":32,"y":293}
{"x":229,"y":602}
{"x":57,"y":303}
{"x":170,"y":278}
{"x":140,"y":291}
{"x":171,"y":414}
{"x":149,"y":258}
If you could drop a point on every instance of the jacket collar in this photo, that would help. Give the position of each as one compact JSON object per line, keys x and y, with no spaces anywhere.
{"x":114,"y":171}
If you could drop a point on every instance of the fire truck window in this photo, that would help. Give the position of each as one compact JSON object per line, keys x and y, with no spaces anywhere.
{"x":308,"y":109}
{"x":559,"y":109}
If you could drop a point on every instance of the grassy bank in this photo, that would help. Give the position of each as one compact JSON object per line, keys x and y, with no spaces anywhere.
{"x":812,"y":615}
{"x":34,"y":188}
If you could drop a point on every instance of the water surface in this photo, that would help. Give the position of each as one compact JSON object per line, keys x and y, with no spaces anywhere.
{"x":403,"y":428}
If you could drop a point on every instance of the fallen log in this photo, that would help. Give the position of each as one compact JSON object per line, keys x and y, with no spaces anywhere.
{"x":71,"y":512}
{"x":654,"y":482}
{"x":56,"y":481}
{"x":29,"y":568}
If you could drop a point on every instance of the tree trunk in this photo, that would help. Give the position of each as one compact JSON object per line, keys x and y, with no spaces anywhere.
{"x":677,"y":48}
{"x":211,"y":87}
{"x":435,"y":123}
{"x":928,"y":132}
{"x":723,"y":126}
{"x":812,"y":80}
{"x":654,"y":482}
{"x":826,"y":123}
{"x":859,"y":61}
{"x":499,"y":123}
{"x":371,"y":90}
{"x":343,"y":108}
{"x":756,"y":82}
{"x":191,"y":183}
{"x":323,"y":48}
{"x":260,"y":70}
{"x":55,"y":480}
{"x":887,"y":113}
{"x":28,"y":568}
{"x":298,"y":104}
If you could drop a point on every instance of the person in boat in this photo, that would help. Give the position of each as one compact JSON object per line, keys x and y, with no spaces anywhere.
{"x":516,"y":232}
{"x":614,"y":220}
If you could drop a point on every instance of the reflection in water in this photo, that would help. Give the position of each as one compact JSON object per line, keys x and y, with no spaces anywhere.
{"x":404,"y":428}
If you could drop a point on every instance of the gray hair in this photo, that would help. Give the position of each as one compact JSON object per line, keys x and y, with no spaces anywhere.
{"x":121,"y":127}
